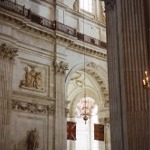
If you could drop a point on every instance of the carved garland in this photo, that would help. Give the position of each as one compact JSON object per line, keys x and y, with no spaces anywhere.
{"x":32,"y":107}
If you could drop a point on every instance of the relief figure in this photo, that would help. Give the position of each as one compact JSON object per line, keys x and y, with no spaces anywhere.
{"x":33,"y":140}
{"x":33,"y":79}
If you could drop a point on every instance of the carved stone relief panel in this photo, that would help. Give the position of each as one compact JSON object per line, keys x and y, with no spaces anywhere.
{"x":33,"y":78}
{"x":24,"y":126}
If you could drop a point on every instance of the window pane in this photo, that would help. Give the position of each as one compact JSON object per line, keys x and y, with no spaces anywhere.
{"x":86,"y":5}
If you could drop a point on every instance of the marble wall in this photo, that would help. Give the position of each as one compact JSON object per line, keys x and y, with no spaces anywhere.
{"x":40,"y":71}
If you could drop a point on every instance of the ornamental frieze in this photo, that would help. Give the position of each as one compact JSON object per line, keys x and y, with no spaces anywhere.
{"x":32,"y":107}
{"x":8,"y":51}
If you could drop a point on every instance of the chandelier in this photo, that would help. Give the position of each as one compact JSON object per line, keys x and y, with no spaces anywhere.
{"x":86,"y":107}
{"x":146,"y":81}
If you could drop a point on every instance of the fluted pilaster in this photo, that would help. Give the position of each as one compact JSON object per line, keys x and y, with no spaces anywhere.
{"x":127,"y":60}
{"x":7,"y":55}
{"x":60,"y":118}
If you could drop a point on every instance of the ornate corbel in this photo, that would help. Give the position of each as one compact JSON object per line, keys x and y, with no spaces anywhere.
{"x":8,"y":51}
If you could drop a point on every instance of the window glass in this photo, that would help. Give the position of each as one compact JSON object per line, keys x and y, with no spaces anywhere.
{"x":86,"y":5}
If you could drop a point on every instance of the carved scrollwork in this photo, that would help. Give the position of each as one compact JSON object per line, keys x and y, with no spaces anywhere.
{"x":8,"y":51}
{"x":33,"y":78}
{"x":32,"y":107}
{"x":109,"y":5}
{"x":61,"y":67}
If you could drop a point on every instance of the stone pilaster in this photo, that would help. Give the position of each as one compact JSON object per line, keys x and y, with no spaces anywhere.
{"x":60,"y":116}
{"x":127,"y":60}
{"x":7,"y":55}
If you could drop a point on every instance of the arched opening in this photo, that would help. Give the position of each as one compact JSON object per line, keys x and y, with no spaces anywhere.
{"x":95,"y":108}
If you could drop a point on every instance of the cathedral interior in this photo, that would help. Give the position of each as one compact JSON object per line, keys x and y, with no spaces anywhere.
{"x":74,"y":75}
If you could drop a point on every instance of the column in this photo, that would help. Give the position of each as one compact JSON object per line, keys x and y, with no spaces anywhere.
{"x":7,"y":55}
{"x":127,"y":60}
{"x":113,"y":71}
{"x":60,"y":118}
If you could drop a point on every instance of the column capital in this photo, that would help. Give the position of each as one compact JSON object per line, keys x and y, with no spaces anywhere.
{"x":8,"y":51}
{"x":60,"y":67}
{"x":109,"y":5}
{"x":104,"y":120}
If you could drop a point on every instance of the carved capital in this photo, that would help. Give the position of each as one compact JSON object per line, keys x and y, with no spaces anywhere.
{"x":109,"y":5}
{"x":66,"y":111}
{"x":60,"y":67}
{"x":104,"y":121}
{"x":8,"y":51}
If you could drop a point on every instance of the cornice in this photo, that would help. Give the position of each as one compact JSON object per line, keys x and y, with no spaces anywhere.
{"x":83,"y":48}
{"x":24,"y":24}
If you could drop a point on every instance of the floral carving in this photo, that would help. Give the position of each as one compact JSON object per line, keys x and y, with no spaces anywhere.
{"x":32,"y":107}
{"x":8,"y":51}
{"x":61,"y":67}
{"x":33,"y":79}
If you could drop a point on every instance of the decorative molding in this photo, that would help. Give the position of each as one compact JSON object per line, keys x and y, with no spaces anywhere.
{"x":33,"y":79}
{"x":77,"y":79}
{"x":8,"y":51}
{"x":92,"y":65}
{"x":102,"y":85}
{"x":109,"y":5}
{"x":32,"y":107}
{"x":60,"y":67}
{"x":42,"y":26}
{"x":102,"y":10}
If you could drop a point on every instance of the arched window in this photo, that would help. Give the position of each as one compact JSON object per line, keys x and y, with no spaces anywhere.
{"x":86,"y":5}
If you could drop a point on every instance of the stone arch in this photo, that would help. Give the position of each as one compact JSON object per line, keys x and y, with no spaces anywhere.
{"x":98,"y":74}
